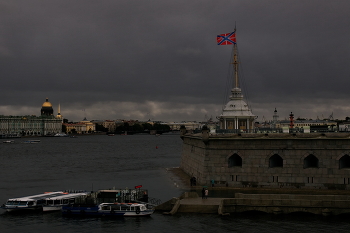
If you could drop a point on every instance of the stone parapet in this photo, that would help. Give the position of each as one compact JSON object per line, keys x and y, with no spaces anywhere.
{"x":320,"y":161}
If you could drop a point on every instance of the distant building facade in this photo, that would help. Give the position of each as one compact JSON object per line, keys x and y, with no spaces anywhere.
{"x":31,"y":125}
{"x":81,"y":127}
{"x":190,"y":125}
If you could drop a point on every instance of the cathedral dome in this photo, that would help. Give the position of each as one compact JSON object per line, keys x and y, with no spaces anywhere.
{"x":47,"y":104}
{"x":46,"y":109}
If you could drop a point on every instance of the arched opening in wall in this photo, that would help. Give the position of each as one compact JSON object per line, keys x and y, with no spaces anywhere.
{"x":311,"y":161}
{"x":275,"y":161}
{"x":344,"y":162}
{"x":235,"y":161}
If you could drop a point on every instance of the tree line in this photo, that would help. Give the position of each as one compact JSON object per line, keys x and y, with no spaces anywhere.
{"x":136,"y":128}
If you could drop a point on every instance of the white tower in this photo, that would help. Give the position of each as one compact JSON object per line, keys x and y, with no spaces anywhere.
{"x":237,"y":115}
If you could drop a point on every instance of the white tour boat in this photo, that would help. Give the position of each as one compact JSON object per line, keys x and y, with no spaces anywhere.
{"x":37,"y":202}
{"x":9,"y":141}
{"x":32,"y":141}
{"x":34,"y":202}
{"x":109,"y":209}
{"x":56,"y":203}
{"x":125,"y":209}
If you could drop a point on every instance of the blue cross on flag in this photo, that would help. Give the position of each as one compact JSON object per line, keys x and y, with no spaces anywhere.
{"x":225,"y":39}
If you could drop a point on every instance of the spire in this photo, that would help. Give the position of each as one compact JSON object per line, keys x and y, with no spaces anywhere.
{"x":235,"y":65}
{"x":275,"y":117}
{"x":59,"y":111}
{"x":236,"y":91}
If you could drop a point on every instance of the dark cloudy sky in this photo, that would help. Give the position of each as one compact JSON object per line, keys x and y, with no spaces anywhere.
{"x":158,"y":59}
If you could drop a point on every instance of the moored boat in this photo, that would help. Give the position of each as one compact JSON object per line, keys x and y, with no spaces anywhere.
{"x":32,"y":141}
{"x":56,"y":203}
{"x":9,"y":141}
{"x":114,"y":202}
{"x":34,"y":202}
{"x":126,"y":209}
{"x":47,"y":201}
{"x":61,"y":135}
{"x":109,"y":209}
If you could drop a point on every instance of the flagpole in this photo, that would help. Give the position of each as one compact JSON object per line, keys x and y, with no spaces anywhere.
{"x":235,"y":64}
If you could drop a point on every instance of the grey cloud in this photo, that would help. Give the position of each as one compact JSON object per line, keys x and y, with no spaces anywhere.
{"x":86,"y":54}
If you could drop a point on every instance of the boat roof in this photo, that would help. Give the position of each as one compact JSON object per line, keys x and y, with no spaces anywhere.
{"x":46,"y":195}
{"x":109,"y":190}
{"x":67,"y":195}
{"x":124,"y":204}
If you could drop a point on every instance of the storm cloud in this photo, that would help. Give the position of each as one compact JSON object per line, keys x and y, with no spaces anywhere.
{"x":159,"y":59}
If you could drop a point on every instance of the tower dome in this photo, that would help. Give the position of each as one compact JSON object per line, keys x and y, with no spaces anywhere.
{"x":46,"y":109}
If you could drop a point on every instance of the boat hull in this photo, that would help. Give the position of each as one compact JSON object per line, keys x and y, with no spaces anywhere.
{"x":97,"y":211}
{"x":21,"y":208}
{"x":52,"y":208}
{"x":86,"y":211}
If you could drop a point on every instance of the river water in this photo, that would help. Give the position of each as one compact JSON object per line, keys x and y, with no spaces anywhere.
{"x":102,"y":162}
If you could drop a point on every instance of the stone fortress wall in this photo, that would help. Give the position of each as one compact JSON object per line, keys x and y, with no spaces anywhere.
{"x":313,"y":160}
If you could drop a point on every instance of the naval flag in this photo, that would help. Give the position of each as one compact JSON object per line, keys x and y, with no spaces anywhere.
{"x":225,"y":39}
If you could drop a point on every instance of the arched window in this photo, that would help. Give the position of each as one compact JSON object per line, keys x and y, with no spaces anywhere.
{"x":235,"y":161}
{"x":344,"y":162}
{"x":311,"y":161}
{"x":275,"y":161}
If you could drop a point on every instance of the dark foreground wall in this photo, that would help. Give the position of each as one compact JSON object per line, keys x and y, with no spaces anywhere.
{"x":318,"y":161}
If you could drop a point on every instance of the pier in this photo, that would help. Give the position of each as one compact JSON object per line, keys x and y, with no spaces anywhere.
{"x":229,"y":200}
{"x":269,"y":203}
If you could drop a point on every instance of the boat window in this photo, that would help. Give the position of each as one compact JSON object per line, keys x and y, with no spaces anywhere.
{"x":40,"y":202}
{"x":65,"y":201}
{"x":124,"y":207}
{"x":105,"y":207}
{"x":56,"y":202}
{"x":22,"y":203}
{"x":12,"y":203}
{"x":30,"y":202}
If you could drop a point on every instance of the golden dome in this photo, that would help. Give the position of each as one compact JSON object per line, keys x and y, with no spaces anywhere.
{"x":47,"y":103}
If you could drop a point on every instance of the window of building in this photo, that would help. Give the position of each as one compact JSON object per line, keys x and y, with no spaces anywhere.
{"x":311,"y":161}
{"x":235,"y":161}
{"x":275,"y":161}
{"x":344,"y":162}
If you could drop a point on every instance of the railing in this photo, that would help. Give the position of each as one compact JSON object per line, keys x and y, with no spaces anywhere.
{"x":154,"y":201}
{"x":272,"y":130}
